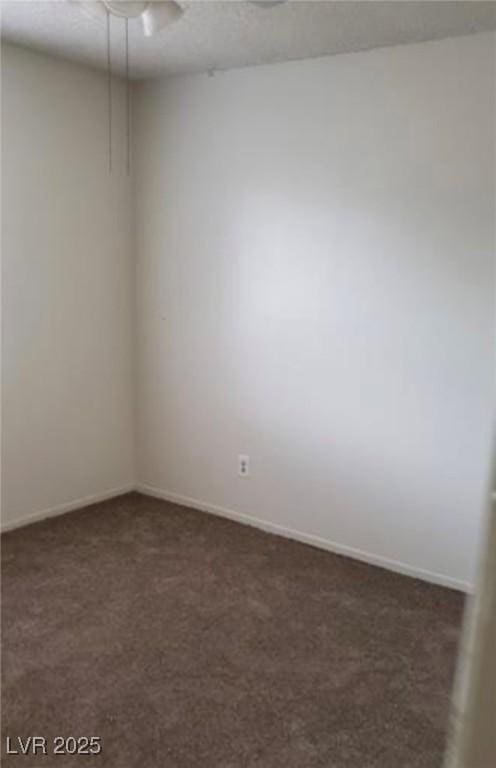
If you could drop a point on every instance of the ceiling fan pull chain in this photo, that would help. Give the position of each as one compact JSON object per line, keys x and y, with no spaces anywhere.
{"x":128,"y":103}
{"x":109,"y":94}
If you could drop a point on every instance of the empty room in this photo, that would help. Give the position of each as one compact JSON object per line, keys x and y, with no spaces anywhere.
{"x":248,"y":356}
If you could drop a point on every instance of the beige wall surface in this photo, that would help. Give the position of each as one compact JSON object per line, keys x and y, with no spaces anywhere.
{"x":315,"y":263}
{"x":67,"y":432}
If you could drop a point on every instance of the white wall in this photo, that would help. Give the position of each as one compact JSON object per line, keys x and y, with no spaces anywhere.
{"x":67,"y":291}
{"x":315,"y":288}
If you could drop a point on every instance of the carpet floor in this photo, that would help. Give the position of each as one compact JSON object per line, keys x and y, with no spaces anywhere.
{"x":183,"y":640}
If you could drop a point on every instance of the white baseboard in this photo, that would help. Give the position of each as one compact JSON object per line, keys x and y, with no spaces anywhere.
{"x":68,"y":506}
{"x":308,"y":538}
{"x":241,"y":517}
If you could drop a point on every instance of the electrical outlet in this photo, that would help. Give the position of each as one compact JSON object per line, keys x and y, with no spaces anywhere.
{"x":243,"y":465}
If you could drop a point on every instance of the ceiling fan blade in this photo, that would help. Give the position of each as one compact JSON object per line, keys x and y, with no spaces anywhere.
{"x":126,"y":9}
{"x":94,"y":10}
{"x":159,"y":15}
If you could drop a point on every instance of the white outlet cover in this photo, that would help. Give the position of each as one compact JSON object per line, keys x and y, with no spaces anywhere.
{"x":243,"y":465}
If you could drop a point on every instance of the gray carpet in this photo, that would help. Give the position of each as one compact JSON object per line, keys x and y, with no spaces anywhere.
{"x":188,"y":641}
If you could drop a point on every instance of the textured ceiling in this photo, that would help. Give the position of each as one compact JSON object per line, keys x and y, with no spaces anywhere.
{"x":222,"y":35}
